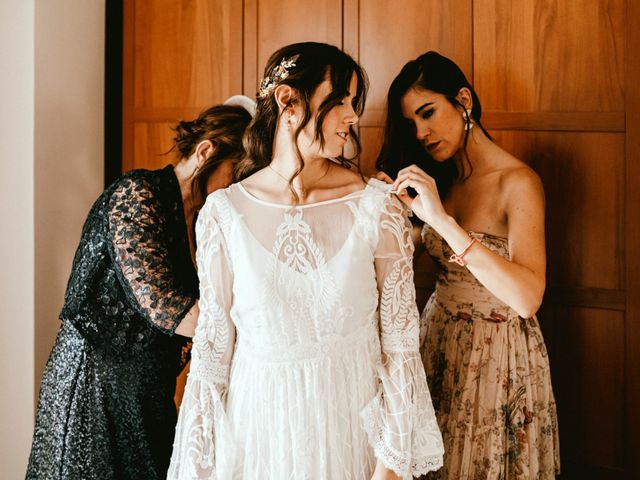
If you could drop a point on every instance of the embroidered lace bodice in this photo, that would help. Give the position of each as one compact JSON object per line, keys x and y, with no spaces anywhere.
{"x":305,"y":361}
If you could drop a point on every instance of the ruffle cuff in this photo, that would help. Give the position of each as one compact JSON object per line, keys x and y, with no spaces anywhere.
{"x":426,"y":452}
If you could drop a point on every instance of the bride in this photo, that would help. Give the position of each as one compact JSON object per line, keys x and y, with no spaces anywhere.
{"x":305,"y":358}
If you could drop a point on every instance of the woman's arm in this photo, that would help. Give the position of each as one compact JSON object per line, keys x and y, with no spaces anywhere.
{"x":203,"y":441}
{"x":519,"y":282}
{"x":137,"y":228}
{"x":187,"y":326}
{"x":400,"y":421}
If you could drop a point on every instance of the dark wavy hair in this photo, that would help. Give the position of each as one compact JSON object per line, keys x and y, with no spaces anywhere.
{"x":224,"y":126}
{"x":315,"y":63}
{"x":400,"y":148}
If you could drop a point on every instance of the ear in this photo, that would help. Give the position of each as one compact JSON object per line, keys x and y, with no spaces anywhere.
{"x":284,"y":96}
{"x":203,"y":151}
{"x":464,"y":97}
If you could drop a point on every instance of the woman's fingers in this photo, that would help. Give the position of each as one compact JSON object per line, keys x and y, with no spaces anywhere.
{"x":383,"y":177}
{"x":413,"y":181}
{"x":415,"y":170}
{"x":405,"y":198}
{"x":417,"y":176}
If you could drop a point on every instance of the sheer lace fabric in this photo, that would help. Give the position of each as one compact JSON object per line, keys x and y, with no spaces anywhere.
{"x":305,"y":361}
{"x":142,"y":251}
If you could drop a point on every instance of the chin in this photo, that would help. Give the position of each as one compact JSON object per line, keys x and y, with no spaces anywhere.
{"x":332,"y":152}
{"x":440,"y":156}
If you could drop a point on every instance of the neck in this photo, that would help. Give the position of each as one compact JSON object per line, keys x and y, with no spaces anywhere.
{"x":475,"y":157}
{"x":286,"y":161}
{"x":184,"y":170}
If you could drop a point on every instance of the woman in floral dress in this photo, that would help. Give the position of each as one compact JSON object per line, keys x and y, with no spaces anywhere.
{"x":483,"y":214}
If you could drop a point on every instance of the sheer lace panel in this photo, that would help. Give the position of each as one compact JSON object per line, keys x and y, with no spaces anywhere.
{"x":401,"y":422}
{"x":215,"y":333}
{"x":399,"y":317}
{"x":202,"y":434}
{"x":138,"y":231}
{"x":301,"y":237}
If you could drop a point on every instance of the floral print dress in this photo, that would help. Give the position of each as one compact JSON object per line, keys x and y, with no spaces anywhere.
{"x":488,"y":373}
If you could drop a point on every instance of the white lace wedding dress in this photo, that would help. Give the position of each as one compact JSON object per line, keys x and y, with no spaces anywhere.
{"x":305,"y":361}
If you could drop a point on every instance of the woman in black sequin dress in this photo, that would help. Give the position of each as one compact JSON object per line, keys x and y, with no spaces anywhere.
{"x":106,"y":406}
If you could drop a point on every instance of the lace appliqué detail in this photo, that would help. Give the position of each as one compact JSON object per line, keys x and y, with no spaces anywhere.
{"x":204,"y":445}
{"x":399,"y":318}
{"x":400,"y":421}
{"x":401,"y":414}
{"x":300,"y":283}
{"x":367,"y":211}
{"x":139,"y":234}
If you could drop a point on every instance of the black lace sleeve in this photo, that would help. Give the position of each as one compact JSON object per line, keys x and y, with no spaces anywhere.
{"x":138,"y":232}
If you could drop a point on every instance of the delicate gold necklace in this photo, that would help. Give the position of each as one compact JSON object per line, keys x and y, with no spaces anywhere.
{"x":302,"y":190}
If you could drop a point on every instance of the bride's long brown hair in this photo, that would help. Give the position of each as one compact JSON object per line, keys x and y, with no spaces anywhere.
{"x":314,"y":63}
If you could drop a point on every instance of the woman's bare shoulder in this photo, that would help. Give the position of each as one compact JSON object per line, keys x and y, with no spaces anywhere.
{"x":349,"y":179}
{"x":516,"y":175}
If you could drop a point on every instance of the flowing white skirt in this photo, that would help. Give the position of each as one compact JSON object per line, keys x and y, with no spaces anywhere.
{"x":296,"y":414}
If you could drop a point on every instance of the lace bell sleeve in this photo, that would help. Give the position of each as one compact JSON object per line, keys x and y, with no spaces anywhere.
{"x":400,"y":421}
{"x":203,"y":447}
{"x":138,"y":232}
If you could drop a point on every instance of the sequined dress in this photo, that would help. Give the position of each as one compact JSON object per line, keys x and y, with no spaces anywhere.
{"x":106,"y":406}
{"x":488,"y":372}
{"x":305,"y":361}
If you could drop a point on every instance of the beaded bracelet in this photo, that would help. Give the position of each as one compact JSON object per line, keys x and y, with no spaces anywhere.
{"x":459,"y":258}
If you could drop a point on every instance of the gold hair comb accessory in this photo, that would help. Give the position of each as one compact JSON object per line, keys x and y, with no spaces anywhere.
{"x":279,"y":73}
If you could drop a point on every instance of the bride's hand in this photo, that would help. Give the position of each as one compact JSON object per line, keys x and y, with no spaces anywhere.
{"x":427,"y":204}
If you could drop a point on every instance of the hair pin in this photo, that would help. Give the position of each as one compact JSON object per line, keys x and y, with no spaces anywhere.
{"x":280,"y":72}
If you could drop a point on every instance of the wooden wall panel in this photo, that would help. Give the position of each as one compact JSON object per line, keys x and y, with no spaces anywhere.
{"x":180,"y":57}
{"x":390,"y":34}
{"x":152,"y":143}
{"x":187,"y":52}
{"x":371,"y":139}
{"x":273,"y":24}
{"x":587,"y":362}
{"x":583,"y":187}
{"x":549,"y":55}
{"x":631,"y":253}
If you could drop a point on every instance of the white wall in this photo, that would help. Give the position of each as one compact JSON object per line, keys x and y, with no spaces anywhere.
{"x":51,"y":170}
{"x":17,"y":240}
{"x":69,"y":147}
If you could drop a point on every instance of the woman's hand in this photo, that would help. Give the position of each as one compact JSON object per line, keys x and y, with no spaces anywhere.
{"x":187,"y":326}
{"x":383,"y":473}
{"x":427,"y":204}
{"x":383,"y":177}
